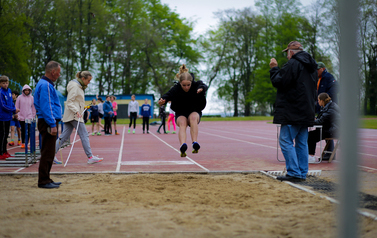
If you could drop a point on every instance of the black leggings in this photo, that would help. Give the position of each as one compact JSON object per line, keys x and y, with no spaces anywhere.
{"x":4,"y":132}
{"x":313,"y":138}
{"x":162,"y":124}
{"x":133,"y":116}
{"x":145,"y":122}
{"x":107,"y":125}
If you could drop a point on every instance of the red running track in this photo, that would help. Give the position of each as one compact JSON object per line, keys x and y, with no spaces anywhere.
{"x":233,"y":146}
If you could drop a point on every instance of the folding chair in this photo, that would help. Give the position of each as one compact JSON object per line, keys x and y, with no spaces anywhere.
{"x":325,"y":151}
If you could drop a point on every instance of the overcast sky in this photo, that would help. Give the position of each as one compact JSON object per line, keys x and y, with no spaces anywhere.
{"x":201,"y":12}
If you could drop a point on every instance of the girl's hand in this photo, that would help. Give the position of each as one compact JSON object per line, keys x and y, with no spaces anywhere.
{"x":200,"y":90}
{"x":78,"y":114}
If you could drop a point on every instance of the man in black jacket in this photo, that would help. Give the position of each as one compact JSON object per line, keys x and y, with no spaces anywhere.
{"x":296,"y":84}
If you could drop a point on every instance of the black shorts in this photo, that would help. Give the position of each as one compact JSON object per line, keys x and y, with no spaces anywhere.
{"x":186,"y":115}
{"x":100,"y":115}
{"x":114,"y":118}
{"x":94,"y":119}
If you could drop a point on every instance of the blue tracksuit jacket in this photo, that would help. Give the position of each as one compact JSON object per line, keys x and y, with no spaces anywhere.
{"x":46,"y":102}
{"x":7,"y":107}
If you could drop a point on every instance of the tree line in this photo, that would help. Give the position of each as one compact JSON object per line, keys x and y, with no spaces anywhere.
{"x":137,"y":46}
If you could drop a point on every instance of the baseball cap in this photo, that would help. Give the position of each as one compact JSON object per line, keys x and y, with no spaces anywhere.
{"x":321,"y":65}
{"x":294,"y":45}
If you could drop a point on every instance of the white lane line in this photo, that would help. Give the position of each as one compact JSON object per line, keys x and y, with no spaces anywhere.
{"x":230,"y":132}
{"x":367,"y":154}
{"x":120,"y":151}
{"x":369,"y":168}
{"x":156,"y":162}
{"x":272,"y":147}
{"x":179,"y":152}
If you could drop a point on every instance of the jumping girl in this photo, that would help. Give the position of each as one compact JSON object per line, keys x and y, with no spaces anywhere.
{"x":188,"y":99}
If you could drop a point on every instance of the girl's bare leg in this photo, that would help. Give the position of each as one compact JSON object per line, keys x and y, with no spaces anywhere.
{"x":194,"y":128}
{"x":182,"y":123}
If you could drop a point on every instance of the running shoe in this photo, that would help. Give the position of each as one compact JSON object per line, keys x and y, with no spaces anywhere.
{"x":11,"y":143}
{"x":312,"y":160}
{"x":195,"y":147}
{"x":7,"y":155}
{"x":56,"y":161}
{"x":94,"y":159}
{"x":23,"y":146}
{"x":133,"y":132}
{"x":98,"y":133}
{"x":3,"y":157}
{"x":93,"y":134}
{"x":173,"y":132}
{"x":116,"y":133}
{"x":167,"y":131}
{"x":19,"y":143}
{"x":129,"y":130}
{"x":183,"y":150}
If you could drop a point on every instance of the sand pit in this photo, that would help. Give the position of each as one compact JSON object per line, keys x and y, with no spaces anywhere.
{"x":173,"y":205}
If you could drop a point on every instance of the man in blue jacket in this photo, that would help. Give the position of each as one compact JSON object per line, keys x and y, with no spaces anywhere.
{"x":49,"y":112}
{"x":326,"y":84}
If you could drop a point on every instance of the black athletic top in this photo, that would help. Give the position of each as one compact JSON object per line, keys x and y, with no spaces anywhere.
{"x":186,"y":102}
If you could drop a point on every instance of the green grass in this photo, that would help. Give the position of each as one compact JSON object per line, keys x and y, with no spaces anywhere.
{"x":366,"y":122}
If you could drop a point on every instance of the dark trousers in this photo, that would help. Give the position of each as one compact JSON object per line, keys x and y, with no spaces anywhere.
{"x":162,"y":124}
{"x":145,"y":122}
{"x":133,"y":116}
{"x":313,"y":138}
{"x":23,"y":124}
{"x":4,"y":132}
{"x":47,"y":152}
{"x":107,"y":125}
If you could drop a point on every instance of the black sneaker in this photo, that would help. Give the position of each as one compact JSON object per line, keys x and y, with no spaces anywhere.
{"x":289,"y":178}
{"x":195,"y":147}
{"x":183,"y":150}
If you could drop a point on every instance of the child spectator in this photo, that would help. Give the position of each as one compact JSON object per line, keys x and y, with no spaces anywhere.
{"x":171,"y":119}
{"x":115,"y":108}
{"x":163,"y":117}
{"x":15,"y":124}
{"x":94,"y":116}
{"x":146,"y":114}
{"x":7,"y":109}
{"x":108,"y":114}
{"x":100,"y":112}
{"x":25,"y":103}
{"x":133,"y":111}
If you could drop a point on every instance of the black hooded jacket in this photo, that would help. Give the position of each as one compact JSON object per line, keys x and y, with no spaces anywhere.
{"x":296,"y":84}
{"x":186,"y":102}
{"x":328,"y":117}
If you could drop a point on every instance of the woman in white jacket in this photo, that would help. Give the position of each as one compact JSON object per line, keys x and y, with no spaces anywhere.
{"x":72,"y":115}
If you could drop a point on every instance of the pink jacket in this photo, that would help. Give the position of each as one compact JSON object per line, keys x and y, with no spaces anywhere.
{"x":26,"y":105}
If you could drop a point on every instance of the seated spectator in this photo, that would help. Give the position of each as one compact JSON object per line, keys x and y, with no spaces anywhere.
{"x":328,"y":117}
